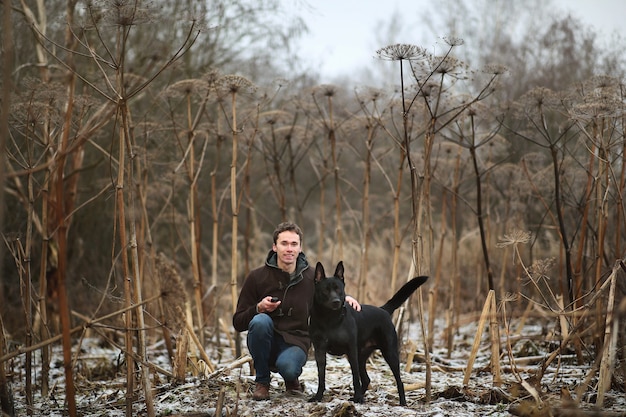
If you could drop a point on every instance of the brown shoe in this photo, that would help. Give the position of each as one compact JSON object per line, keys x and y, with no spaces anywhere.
{"x":293,"y":387}
{"x":261,"y":392}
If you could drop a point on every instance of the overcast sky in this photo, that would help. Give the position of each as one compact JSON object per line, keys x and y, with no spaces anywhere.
{"x":343,"y":36}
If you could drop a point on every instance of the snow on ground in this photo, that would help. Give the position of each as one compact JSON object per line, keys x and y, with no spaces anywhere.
{"x":100,"y":385}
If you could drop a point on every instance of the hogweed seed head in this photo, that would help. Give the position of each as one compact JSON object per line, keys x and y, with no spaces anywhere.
{"x":124,"y":12}
{"x":540,"y":269}
{"x":401,"y":51}
{"x":184,"y":88}
{"x":449,"y":66}
{"x":513,"y":238}
{"x":495,"y":69}
{"x":236,"y":84}
{"x":509,"y":298}
{"x":326,"y":90}
{"x":273,"y":117}
{"x":453,"y":40}
{"x":369,"y":94}
{"x":211,"y":77}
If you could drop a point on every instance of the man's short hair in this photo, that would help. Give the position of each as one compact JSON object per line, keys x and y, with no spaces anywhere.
{"x":287,"y":227}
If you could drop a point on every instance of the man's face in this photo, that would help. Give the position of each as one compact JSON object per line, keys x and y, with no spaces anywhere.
{"x":287,"y":246}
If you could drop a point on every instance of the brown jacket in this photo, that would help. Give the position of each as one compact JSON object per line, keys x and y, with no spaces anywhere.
{"x":291,"y":319}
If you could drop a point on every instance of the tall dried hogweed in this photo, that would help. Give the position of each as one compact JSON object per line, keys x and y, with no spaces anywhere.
{"x":173,"y":293}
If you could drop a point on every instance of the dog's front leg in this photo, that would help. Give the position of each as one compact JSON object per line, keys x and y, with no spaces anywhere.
{"x":356,"y":379}
{"x":320,"y":359}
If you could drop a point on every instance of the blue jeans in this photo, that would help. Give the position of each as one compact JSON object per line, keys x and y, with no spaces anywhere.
{"x":270,"y":351}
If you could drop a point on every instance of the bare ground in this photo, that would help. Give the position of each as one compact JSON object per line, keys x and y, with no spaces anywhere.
{"x":100,"y":383}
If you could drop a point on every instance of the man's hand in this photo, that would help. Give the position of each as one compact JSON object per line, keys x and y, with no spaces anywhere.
{"x":266,"y":305}
{"x":353,"y":303}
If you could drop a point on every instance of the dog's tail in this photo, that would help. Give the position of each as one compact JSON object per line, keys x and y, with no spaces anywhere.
{"x":403,"y":293}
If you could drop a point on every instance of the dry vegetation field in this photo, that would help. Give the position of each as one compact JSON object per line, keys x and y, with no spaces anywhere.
{"x":149,"y":148}
{"x":566,"y":387}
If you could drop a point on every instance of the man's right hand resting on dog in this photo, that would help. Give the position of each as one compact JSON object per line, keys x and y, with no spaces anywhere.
{"x":278,"y":338}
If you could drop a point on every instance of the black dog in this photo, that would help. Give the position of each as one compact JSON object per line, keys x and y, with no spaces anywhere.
{"x":338,"y":329}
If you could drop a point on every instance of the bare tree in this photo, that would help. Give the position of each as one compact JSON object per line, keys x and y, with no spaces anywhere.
{"x":6,"y":401}
{"x":542,"y":45}
{"x":117,"y":92}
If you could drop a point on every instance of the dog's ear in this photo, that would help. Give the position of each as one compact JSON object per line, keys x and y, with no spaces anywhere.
{"x":319,"y":272}
{"x":339,"y":270}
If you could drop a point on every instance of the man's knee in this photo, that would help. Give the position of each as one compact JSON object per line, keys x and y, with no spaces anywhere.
{"x":290,"y":365}
{"x":261,"y":323}
{"x":290,"y":371}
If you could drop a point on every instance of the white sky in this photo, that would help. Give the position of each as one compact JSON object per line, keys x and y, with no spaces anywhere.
{"x":343,"y":32}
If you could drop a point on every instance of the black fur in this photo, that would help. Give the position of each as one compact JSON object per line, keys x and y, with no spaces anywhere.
{"x":338,"y":329}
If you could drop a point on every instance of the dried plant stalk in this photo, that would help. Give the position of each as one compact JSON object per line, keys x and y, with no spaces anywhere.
{"x":479,"y":332}
{"x":196,"y":341}
{"x":494,"y":332}
{"x":180,"y":360}
{"x":427,"y":361}
{"x":236,"y":364}
{"x":172,"y":303}
{"x":6,"y":398}
{"x":610,"y":344}
{"x":397,"y":239}
{"x":414,"y":386}
{"x":432,"y":293}
{"x":220,"y":402}
{"x":576,"y":329}
{"x":410,"y":356}
{"x":226,"y":330}
{"x":562,"y":318}
{"x":174,"y":295}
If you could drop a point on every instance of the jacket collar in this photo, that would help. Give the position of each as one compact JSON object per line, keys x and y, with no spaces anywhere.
{"x":301,"y":262}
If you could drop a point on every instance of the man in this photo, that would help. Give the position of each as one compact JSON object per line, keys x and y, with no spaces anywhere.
{"x":274,"y":306}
